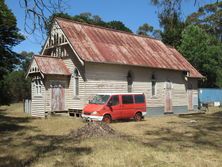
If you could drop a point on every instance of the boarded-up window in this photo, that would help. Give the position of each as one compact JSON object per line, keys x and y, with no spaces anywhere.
{"x":76,"y":82}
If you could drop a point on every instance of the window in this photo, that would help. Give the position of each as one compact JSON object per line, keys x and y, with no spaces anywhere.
{"x":190,"y":86}
{"x":63,"y":40}
{"x":168,"y":85}
{"x":115,"y":100}
{"x":76,"y":82}
{"x":127,"y":99}
{"x":139,"y":99}
{"x":153,"y":84}
{"x":38,"y":87}
{"x":153,"y":88}
{"x":99,"y":99}
{"x":129,"y":82}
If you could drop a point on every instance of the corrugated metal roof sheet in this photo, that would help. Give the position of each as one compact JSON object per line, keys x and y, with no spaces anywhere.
{"x":102,"y":45}
{"x":51,"y":65}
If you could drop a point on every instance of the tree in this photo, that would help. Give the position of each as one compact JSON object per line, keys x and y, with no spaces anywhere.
{"x":117,"y":25}
{"x":172,"y":29}
{"x":145,"y":29}
{"x":89,"y":19}
{"x":204,"y":52}
{"x":18,"y":88}
{"x":209,"y":18}
{"x":170,"y":20}
{"x":37,"y":11}
{"x":14,"y":86}
{"x":25,"y":60}
{"x":9,"y":37}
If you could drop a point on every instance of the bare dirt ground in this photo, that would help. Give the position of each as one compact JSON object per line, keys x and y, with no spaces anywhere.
{"x":187,"y":141}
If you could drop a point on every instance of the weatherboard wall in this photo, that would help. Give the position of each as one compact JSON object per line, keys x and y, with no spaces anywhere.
{"x":72,"y":101}
{"x":38,"y":104}
{"x":102,"y":78}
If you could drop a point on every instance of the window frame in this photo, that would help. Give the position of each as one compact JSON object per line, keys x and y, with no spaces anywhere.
{"x":76,"y":83}
{"x":153,"y":88}
{"x":129,"y":82}
{"x":139,"y":102}
{"x":128,"y":103}
{"x":111,"y":99}
{"x":37,"y":85}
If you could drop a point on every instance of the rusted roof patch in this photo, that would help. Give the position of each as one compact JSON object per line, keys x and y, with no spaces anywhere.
{"x":51,"y":65}
{"x":97,"y":44}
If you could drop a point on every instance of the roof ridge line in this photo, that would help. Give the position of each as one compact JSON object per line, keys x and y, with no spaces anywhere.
{"x":109,"y":29}
{"x":47,"y":56}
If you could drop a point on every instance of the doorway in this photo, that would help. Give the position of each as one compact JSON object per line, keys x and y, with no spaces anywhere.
{"x":58,"y":96}
{"x":168,"y":97}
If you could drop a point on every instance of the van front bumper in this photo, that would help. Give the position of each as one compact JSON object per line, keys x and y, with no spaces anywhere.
{"x":144,"y":114}
{"x":92,"y":117}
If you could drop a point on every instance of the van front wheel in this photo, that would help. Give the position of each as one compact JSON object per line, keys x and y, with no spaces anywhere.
{"x":138,"y":116}
{"x":107,"y":119}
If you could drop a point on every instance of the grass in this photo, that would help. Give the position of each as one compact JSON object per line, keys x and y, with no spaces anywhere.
{"x":187,"y":141}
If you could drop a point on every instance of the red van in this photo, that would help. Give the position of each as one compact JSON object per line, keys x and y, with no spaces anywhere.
{"x":107,"y":107}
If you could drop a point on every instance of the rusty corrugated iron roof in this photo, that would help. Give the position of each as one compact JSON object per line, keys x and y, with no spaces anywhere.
{"x":103,"y":45}
{"x":193,"y":72}
{"x":51,"y":65}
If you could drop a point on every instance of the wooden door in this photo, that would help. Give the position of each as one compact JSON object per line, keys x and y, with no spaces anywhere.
{"x":190,"y":99}
{"x":58,"y":97}
{"x":168,"y":97}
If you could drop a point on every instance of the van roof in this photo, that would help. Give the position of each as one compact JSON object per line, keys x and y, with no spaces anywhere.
{"x":120,"y":94}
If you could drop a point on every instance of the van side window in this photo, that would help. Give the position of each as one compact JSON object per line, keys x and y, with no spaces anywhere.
{"x":115,"y":100}
{"x":127,"y":99}
{"x":139,"y":99}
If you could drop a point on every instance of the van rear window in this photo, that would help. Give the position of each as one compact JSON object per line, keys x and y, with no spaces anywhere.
{"x":127,"y":99}
{"x":139,"y":99}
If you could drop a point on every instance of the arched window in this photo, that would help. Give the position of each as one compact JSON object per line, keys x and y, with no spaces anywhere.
{"x":37,"y":87}
{"x":76,"y":82}
{"x":129,"y":81}
{"x":153,"y":84}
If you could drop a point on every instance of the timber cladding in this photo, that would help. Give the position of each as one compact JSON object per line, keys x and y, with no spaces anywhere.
{"x":79,"y":61}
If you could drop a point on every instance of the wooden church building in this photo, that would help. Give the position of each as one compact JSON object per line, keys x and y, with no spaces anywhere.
{"x":79,"y":60}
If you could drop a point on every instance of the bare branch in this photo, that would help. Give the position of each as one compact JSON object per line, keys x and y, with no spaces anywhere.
{"x":37,"y":13}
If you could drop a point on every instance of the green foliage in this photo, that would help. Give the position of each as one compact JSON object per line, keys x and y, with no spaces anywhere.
{"x":25,"y":60}
{"x":18,"y":88}
{"x":14,"y":86}
{"x":172,"y":29}
{"x":204,"y":52}
{"x":90,"y":19}
{"x":9,"y":33}
{"x":170,"y":20}
{"x":209,"y":18}
{"x":145,"y":29}
{"x":117,"y":25}
{"x":9,"y":37}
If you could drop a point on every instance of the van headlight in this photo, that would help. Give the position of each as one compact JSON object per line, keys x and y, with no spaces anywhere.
{"x":95,"y":112}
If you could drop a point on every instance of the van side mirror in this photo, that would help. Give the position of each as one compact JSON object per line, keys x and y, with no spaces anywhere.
{"x":110,"y":103}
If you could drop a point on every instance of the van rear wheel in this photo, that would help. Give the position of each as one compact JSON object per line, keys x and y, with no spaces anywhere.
{"x":107,"y":119}
{"x":138,"y":116}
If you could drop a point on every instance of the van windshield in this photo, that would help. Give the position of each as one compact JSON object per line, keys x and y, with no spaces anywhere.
{"x":100,"y":99}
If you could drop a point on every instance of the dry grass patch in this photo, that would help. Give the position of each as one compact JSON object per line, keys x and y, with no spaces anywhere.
{"x":189,"y":141}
